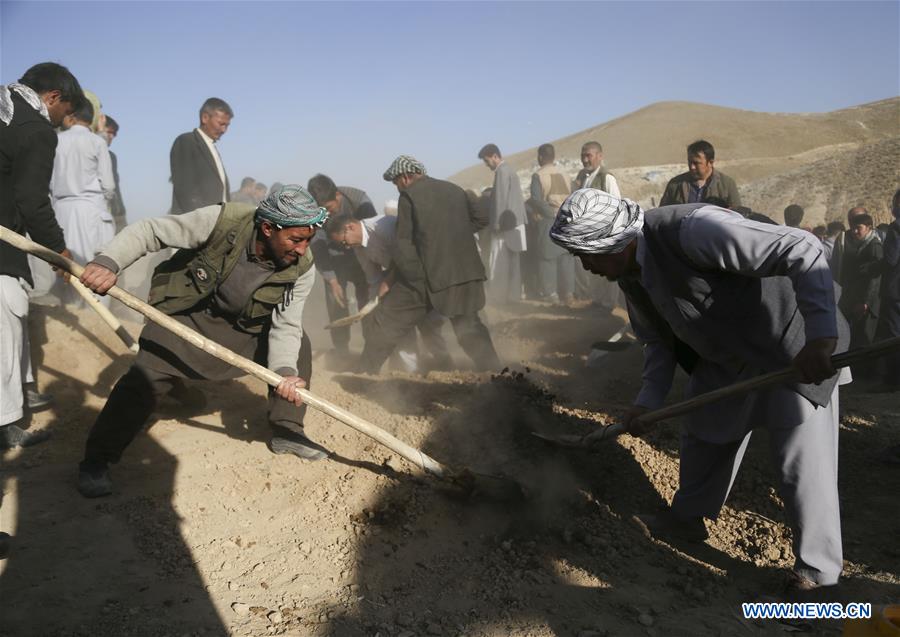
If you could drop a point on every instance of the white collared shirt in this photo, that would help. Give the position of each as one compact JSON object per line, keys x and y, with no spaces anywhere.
{"x":211,"y":144}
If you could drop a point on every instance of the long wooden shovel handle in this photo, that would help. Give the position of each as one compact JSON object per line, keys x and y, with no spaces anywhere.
{"x":107,"y":316}
{"x":757,"y":382}
{"x":418,"y":458}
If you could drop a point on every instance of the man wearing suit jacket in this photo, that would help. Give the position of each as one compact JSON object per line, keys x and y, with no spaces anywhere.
{"x":29,"y":109}
{"x":198,"y":176}
{"x":437,"y":267}
{"x":507,"y":219}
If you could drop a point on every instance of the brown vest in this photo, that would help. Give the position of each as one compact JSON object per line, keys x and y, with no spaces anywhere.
{"x":554,"y":185}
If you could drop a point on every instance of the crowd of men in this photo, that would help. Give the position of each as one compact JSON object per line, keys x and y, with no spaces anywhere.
{"x":712,"y":287}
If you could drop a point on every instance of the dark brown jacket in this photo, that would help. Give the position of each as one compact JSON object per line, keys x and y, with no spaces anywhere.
{"x":720,"y":186}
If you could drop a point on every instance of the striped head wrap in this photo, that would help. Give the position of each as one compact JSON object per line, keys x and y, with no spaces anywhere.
{"x":591,"y":221}
{"x":404,"y":165}
{"x":291,"y":206}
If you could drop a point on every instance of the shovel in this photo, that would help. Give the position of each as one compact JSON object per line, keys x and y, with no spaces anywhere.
{"x":350,"y":320}
{"x":765,"y":380}
{"x":471,"y":481}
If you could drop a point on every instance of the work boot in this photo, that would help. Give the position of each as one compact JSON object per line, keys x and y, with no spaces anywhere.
{"x":36,"y":400}
{"x":287,"y":441}
{"x":14,"y":436}
{"x":665,"y":525}
{"x":94,"y":481}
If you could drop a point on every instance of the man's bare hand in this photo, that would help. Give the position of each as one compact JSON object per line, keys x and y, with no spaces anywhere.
{"x":632,"y":424}
{"x":338,"y":293}
{"x":288,"y":387}
{"x":98,"y":278}
{"x":813,"y":362}
{"x":383,"y":288}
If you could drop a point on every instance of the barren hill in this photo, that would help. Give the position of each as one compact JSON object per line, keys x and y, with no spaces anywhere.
{"x":646,"y":147}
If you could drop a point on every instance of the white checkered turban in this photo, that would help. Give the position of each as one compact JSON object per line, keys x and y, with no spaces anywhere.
{"x":591,"y":221}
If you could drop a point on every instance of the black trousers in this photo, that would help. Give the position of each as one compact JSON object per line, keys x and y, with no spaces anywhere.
{"x":400,"y":311}
{"x":135,"y":396}
{"x":340,"y":336}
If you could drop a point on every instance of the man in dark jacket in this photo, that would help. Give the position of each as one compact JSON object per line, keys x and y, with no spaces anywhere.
{"x":29,"y":110}
{"x":198,"y":176}
{"x":437,"y":266}
{"x":338,"y":265}
{"x":702,"y":181}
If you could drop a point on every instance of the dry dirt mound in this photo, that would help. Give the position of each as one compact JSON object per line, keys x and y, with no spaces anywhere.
{"x":210,"y":534}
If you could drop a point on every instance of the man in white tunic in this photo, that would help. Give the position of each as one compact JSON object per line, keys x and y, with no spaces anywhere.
{"x":82,"y":187}
{"x":727,"y":298}
{"x":507,"y":219}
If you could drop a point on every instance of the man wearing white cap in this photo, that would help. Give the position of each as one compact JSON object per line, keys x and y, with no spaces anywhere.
{"x":727,"y":298}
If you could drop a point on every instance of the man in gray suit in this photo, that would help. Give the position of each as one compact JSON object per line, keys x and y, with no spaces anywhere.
{"x":719,"y":295}
{"x":436,"y":267}
{"x":507,"y":223}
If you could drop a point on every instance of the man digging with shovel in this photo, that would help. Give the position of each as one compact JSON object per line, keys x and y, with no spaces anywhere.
{"x":241,"y":279}
{"x":727,"y":298}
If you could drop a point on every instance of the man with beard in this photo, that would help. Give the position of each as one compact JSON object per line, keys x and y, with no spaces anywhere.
{"x":240,"y":278}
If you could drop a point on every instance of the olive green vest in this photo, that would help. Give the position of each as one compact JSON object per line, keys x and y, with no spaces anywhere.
{"x":191,"y":276}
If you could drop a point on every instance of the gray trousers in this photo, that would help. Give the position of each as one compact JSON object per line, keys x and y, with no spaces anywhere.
{"x":557,"y":276}
{"x":806,"y":462}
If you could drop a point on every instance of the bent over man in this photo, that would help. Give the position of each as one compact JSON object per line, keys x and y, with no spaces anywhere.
{"x":437,"y":268}
{"x":719,"y":295}
{"x":240,"y":278}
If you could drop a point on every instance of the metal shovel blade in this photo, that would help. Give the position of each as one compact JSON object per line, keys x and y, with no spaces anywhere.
{"x":561,"y":440}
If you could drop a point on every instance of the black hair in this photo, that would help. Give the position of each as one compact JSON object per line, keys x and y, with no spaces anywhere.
{"x":322,"y":188}
{"x":865,"y":219}
{"x":49,"y":76}
{"x":338,"y":223}
{"x":546,"y":151}
{"x":702,"y":146}
{"x":488,"y":150}
{"x":84,"y":113}
{"x":793,"y":215}
{"x":246,"y":181}
{"x":834,"y":228}
{"x":113,"y":124}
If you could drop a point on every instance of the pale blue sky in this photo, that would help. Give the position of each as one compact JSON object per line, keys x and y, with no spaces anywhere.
{"x":343,"y":88}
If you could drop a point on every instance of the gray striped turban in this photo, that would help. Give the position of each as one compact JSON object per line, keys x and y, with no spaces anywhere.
{"x":291,"y":206}
{"x":404,"y":165}
{"x":591,"y":221}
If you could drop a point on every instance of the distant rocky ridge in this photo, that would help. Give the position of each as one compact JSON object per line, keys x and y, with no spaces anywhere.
{"x":826,"y":162}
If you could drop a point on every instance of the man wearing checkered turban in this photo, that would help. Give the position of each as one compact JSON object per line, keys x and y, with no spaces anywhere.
{"x":240,"y":278}
{"x":728,"y":298}
{"x":436,"y":266}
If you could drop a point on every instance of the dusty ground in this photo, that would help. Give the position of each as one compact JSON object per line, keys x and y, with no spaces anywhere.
{"x":210,"y":534}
